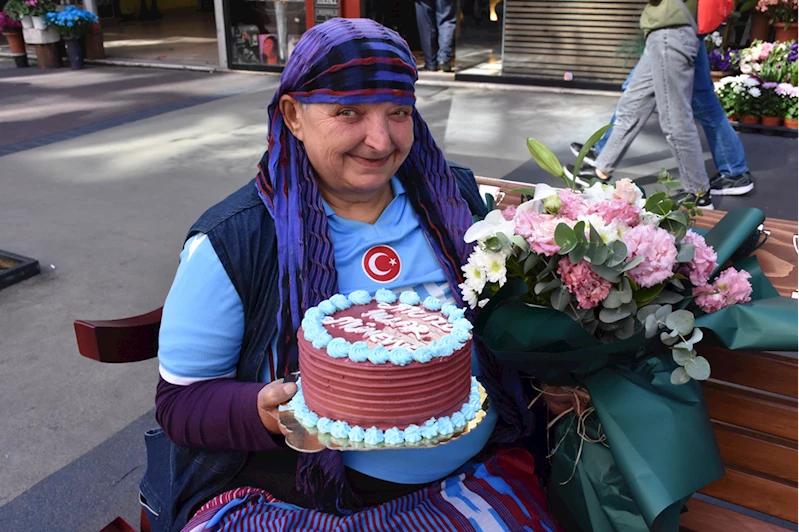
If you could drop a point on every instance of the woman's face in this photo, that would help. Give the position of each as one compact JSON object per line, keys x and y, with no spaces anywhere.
{"x":355,"y":149}
{"x":269,"y":46}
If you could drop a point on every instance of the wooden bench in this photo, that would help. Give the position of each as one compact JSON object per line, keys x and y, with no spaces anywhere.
{"x":752,"y":398}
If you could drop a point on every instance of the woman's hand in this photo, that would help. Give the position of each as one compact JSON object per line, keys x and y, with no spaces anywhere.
{"x":269,"y":398}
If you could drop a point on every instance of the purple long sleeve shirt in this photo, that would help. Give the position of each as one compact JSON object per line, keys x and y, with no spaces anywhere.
{"x":217,"y":414}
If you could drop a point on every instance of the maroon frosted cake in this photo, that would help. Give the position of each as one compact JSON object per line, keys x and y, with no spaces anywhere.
{"x":385,"y":363}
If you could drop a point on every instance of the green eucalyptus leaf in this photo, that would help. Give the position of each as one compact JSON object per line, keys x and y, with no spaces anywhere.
{"x":632,"y":264}
{"x":663,"y":312}
{"x":696,"y":336}
{"x":686,"y":253}
{"x":531,"y":261}
{"x":591,"y":326}
{"x":617,"y":255}
{"x":546,"y":286}
{"x":667,"y":339}
{"x":504,"y":239}
{"x":644,"y":296}
{"x":611,"y":274}
{"x":520,"y":242}
{"x":614,"y":298}
{"x":651,"y":326}
{"x":565,"y":238}
{"x":654,"y":199}
{"x":681,"y":321}
{"x":679,"y":376}
{"x":643,"y":312}
{"x":612,"y":315}
{"x":681,"y":356}
{"x":630,"y":307}
{"x":678,"y":229}
{"x":699,"y":369}
{"x":550,"y":267}
{"x":579,"y":232}
{"x":627,"y":329}
{"x":670,"y":298}
{"x":676,"y":283}
{"x":494,"y":243}
{"x":559,"y":299}
{"x":626,"y":290}
{"x":545,"y":158}
{"x":577,"y":254}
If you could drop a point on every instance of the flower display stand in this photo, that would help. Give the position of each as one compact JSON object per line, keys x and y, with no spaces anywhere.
{"x":46,"y":47}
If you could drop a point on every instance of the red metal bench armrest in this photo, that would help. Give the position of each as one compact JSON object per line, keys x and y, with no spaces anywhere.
{"x":116,"y":341}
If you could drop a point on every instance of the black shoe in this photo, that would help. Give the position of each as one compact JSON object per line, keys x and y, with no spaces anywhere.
{"x":429,"y":68}
{"x":584,"y":176}
{"x":446,"y":66}
{"x":738,"y":185}
{"x":700,"y":202}
{"x":590,"y":157}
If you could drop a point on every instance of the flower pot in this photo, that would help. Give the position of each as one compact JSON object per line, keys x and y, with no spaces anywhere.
{"x":27,"y":21}
{"x":16,"y":42}
{"x":38,"y":22}
{"x":747,"y":119}
{"x":771,"y":120}
{"x":792,"y":123}
{"x":717,"y":75}
{"x":75,"y":53}
{"x":784,"y":35}
{"x":732,"y":118}
{"x":760,"y":26}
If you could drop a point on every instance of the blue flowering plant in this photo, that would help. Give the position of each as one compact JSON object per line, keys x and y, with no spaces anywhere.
{"x":71,"y":23}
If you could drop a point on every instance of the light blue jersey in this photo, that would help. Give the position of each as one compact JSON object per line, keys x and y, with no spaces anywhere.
{"x":203,"y":321}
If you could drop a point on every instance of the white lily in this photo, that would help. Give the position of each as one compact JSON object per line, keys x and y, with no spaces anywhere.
{"x":492,"y":224}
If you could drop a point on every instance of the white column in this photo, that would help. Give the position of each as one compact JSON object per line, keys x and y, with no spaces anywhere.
{"x":221,"y":32}
{"x":90,"y":5}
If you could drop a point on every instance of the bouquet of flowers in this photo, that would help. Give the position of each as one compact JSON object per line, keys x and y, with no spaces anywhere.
{"x":9,"y":24}
{"x":605,"y":294}
{"x":778,"y":10}
{"x":71,"y":23}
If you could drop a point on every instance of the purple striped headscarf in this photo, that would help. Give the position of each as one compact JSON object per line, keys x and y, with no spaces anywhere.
{"x":349,"y":61}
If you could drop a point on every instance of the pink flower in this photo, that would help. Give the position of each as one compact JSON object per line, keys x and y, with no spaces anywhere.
{"x":628,"y":191}
{"x":657,"y":248}
{"x":539,"y":231}
{"x":581,"y":281}
{"x":617,"y":209}
{"x":703,"y":264}
{"x":572,"y":205}
{"x":509,"y":212}
{"x":730,"y":288}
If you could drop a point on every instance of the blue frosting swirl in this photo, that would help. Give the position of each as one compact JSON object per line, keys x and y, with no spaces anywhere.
{"x":311,"y":419}
{"x":445,"y":427}
{"x":423,"y":354}
{"x":412,"y":434}
{"x":360,"y":297}
{"x":373,"y":436}
{"x":461,"y":335}
{"x":432,"y":303}
{"x":359,"y":352}
{"x":400,"y":356}
{"x":314,"y":313}
{"x":456,"y":314}
{"x":356,"y":434}
{"x":327,"y":307}
{"x":340,"y":429}
{"x":312,"y":331}
{"x":458,"y":420}
{"x":464,"y":324}
{"x":378,"y":355}
{"x":322,"y":340}
{"x":451,"y":343}
{"x":409,"y":297}
{"x":394,"y":436}
{"x":338,"y":348}
{"x":385,"y":296}
{"x":324,"y":425}
{"x":447,"y":308}
{"x":469,"y":411}
{"x":341,"y":302}
{"x":430,"y":431}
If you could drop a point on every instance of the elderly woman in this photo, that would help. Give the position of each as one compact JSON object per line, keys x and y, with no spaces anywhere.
{"x":350,"y":165}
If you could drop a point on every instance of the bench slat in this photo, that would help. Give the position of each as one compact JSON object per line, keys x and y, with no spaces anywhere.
{"x":763,"y":371}
{"x":758,"y":493}
{"x":750,"y":450}
{"x":751,"y":410}
{"x":705,"y":517}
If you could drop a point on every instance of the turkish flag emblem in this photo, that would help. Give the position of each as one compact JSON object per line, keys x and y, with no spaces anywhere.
{"x":381,"y":264}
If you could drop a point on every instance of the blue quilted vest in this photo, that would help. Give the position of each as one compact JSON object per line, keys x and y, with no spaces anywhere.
{"x":179,"y":480}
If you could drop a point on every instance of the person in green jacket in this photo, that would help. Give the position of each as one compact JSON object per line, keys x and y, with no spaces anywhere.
{"x":664,"y":77}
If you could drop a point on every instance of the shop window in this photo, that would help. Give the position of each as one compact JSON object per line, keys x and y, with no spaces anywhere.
{"x":263,"y":33}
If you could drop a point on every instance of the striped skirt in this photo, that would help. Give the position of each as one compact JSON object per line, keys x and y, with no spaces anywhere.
{"x":500,"y":494}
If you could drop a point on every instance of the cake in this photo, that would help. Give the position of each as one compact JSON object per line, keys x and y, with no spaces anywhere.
{"x":385,"y":369}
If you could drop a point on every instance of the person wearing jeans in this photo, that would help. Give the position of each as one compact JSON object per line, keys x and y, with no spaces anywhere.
{"x":437,"y":20}
{"x":725,"y":145}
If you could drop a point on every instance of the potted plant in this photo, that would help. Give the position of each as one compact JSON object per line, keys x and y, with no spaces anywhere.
{"x":39,"y":8}
{"x":771,"y":104}
{"x":726,"y":91}
{"x":12,"y":31}
{"x":782,"y":15}
{"x":722,"y":63}
{"x":19,"y":10}
{"x":72,"y":24}
{"x":748,"y":100}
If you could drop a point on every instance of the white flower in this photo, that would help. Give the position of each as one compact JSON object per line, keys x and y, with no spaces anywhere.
{"x":716,"y":38}
{"x":483,"y":302}
{"x":609,"y":232}
{"x":754,"y":91}
{"x":746,"y":68}
{"x":493,"y":265}
{"x":597,"y":193}
{"x":493,"y":223}
{"x":750,"y":81}
{"x":469,"y":295}
{"x":473,"y":275}
{"x":650,"y":218}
